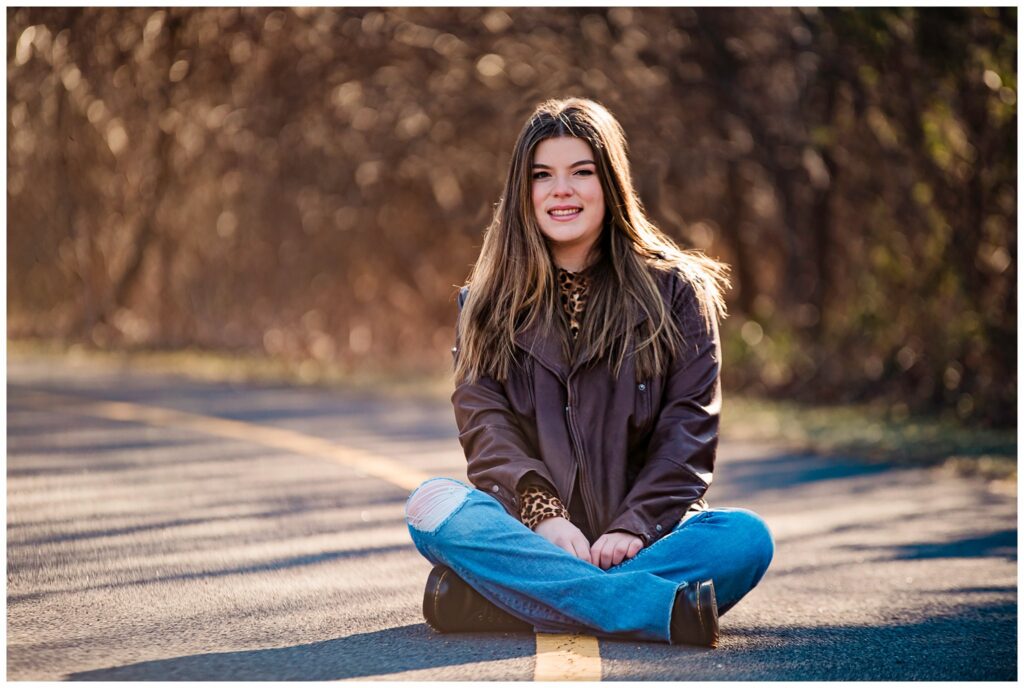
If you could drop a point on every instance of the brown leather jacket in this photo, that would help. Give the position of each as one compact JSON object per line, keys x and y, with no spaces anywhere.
{"x":643,"y":452}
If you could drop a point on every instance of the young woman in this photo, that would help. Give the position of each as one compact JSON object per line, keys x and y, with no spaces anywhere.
{"x":587,"y":399}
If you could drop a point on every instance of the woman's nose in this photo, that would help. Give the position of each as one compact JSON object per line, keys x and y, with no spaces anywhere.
{"x":562,"y":187}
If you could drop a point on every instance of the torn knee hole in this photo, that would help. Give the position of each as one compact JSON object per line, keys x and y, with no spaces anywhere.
{"x":433,"y":502}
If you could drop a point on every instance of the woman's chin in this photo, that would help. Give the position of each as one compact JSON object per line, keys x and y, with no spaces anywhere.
{"x":568,"y":236}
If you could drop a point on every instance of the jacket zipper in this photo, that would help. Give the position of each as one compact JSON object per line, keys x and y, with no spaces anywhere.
{"x":577,"y":446}
{"x":580,"y":460}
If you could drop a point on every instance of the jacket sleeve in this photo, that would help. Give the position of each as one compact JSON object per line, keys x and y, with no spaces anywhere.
{"x":497,"y":453}
{"x":681,"y":452}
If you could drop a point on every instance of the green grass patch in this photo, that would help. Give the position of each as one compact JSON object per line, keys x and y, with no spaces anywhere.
{"x":875,"y":433}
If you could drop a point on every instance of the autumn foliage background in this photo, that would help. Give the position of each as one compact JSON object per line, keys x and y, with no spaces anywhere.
{"x":312,"y":184}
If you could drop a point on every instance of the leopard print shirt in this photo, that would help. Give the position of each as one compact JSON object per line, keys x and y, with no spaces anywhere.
{"x":572,"y":289}
{"x":538,"y":504}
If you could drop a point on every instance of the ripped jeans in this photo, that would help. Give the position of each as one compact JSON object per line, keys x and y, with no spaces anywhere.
{"x":467,"y":530}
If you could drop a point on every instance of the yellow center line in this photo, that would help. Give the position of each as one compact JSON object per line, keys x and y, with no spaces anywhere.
{"x":567,"y":658}
{"x":361,"y":461}
{"x":559,"y":657}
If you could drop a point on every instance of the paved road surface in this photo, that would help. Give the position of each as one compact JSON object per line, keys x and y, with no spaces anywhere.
{"x":149,"y":552}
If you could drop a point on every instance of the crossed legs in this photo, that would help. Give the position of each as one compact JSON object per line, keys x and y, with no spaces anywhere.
{"x":467,"y":530}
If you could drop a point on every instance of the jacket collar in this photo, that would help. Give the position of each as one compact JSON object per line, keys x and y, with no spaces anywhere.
{"x":545,"y":344}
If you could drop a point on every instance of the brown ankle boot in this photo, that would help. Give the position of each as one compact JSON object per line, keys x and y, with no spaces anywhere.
{"x":695,"y":615}
{"x":451,"y":606}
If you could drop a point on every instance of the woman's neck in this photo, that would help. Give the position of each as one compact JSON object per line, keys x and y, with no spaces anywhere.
{"x":573,"y":261}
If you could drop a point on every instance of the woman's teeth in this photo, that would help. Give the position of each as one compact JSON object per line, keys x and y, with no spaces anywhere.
{"x":565,"y":213}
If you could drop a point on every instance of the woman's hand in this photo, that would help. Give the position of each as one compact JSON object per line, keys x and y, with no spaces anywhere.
{"x":564,"y":534}
{"x":611,"y":548}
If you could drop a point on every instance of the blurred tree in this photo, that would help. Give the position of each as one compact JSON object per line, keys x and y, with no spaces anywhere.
{"x":312,"y":183}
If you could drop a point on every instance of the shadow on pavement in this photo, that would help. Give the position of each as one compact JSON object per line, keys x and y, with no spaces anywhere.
{"x":978,"y":642}
{"x":393,"y":650}
{"x":273,"y":565}
{"x":782,"y":471}
{"x":273,"y":405}
{"x":181,"y":522}
{"x":937,"y":648}
{"x":103,"y":449}
{"x":999,"y":544}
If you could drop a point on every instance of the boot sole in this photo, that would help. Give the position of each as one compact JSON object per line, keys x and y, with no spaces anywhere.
{"x":430,"y":601}
{"x":708,"y":603}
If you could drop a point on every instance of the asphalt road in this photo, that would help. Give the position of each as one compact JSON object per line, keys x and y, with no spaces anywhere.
{"x":142,"y":552}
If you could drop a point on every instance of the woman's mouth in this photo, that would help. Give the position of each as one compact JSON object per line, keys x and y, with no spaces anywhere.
{"x":565,"y":214}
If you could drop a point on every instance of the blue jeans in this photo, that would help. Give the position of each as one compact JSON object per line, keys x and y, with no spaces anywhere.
{"x":467,"y":530}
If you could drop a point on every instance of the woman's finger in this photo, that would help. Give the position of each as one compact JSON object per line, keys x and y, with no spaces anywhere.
{"x":582,"y":548}
{"x":634,"y":548}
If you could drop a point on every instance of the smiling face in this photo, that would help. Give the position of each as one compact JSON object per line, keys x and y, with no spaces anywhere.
{"x":568,"y":200}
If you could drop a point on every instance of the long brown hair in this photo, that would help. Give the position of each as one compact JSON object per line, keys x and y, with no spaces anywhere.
{"x":513,"y":282}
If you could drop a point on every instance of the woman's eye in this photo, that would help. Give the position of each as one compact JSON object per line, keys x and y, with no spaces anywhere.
{"x":541,"y":175}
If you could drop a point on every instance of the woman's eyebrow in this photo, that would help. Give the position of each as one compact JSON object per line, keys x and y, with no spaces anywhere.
{"x":575,"y":164}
